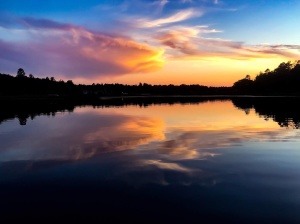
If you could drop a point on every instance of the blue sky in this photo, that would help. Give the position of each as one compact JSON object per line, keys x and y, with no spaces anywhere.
{"x":127,"y":41}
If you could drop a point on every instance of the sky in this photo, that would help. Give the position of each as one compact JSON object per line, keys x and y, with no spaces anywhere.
{"x":206,"y":42}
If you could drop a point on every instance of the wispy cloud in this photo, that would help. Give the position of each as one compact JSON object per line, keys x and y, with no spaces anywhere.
{"x":163,"y":3}
{"x":34,"y":23}
{"x":177,"y":17}
{"x":191,"y":41}
{"x":290,"y":51}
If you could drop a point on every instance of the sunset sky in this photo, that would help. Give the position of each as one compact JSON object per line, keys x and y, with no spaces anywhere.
{"x":208,"y":42}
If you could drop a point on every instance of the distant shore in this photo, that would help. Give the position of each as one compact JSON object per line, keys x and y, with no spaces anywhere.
{"x":105,"y":98}
{"x":59,"y":98}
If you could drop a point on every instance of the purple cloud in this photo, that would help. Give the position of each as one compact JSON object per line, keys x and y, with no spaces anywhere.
{"x":54,"y":48}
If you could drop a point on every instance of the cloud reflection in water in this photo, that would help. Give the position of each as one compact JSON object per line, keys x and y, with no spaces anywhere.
{"x":157,"y":142}
{"x":79,"y":136}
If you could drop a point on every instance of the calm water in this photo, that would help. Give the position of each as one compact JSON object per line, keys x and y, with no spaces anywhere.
{"x":211,"y":161}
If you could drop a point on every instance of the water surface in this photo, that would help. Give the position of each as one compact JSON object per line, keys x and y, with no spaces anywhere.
{"x":216,"y":160}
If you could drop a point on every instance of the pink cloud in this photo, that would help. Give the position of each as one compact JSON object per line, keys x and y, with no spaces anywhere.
{"x":189,"y":41}
{"x":72,"y":51}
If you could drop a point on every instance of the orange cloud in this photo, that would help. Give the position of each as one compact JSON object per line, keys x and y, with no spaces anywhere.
{"x":74,"y":51}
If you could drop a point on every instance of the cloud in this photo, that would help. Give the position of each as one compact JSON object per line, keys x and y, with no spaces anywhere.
{"x":290,"y":51}
{"x":46,"y":24}
{"x":177,"y":17}
{"x":163,"y":3}
{"x":215,"y":2}
{"x":59,"y":48}
{"x":186,"y":1}
{"x":190,"y":41}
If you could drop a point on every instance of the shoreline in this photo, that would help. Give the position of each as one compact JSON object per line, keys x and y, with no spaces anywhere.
{"x":104,"y":98}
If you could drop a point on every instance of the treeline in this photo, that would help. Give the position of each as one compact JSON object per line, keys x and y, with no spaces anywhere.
{"x":23,"y":85}
{"x":144,"y":89}
{"x":283,"y":80}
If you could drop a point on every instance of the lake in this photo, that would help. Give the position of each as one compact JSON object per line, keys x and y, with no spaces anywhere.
{"x":199,"y":161}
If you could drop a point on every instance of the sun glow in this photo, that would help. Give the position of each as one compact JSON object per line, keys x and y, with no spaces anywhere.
{"x":210,"y":71}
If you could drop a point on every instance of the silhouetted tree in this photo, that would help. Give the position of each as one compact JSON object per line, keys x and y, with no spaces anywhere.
{"x":70,"y":82}
{"x":283,"y":80}
{"x":244,"y":86}
{"x":20,"y":73}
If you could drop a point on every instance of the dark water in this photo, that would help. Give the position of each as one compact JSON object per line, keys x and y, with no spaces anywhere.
{"x":214,"y":161}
